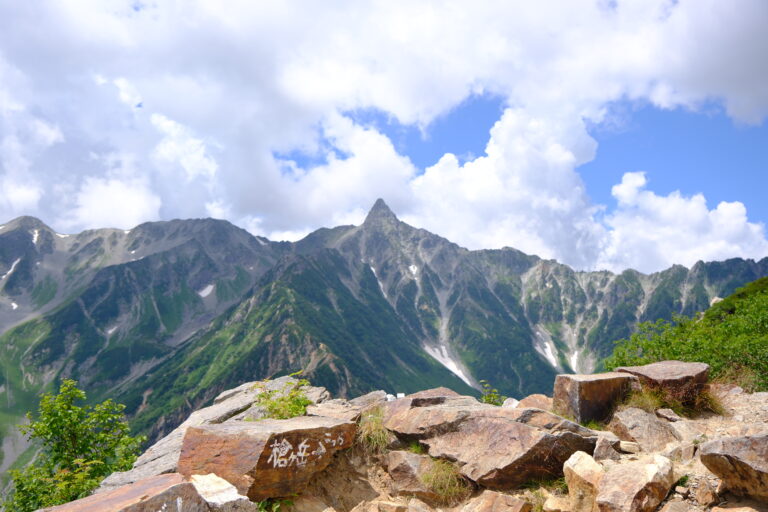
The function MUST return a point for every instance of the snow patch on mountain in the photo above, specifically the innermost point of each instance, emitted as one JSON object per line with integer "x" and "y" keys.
{"x": 35, "y": 236}
{"x": 10, "y": 271}
{"x": 205, "y": 291}
{"x": 442, "y": 355}
{"x": 413, "y": 269}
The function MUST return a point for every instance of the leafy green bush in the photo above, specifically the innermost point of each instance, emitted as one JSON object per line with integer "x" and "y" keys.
{"x": 80, "y": 446}
{"x": 732, "y": 337}
{"x": 287, "y": 402}
{"x": 490, "y": 395}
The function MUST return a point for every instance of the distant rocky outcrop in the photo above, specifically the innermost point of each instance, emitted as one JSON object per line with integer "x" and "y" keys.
{"x": 227, "y": 457}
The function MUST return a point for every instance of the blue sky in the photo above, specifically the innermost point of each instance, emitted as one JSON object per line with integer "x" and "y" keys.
{"x": 625, "y": 134}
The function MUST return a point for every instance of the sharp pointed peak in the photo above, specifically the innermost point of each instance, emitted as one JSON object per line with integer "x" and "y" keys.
{"x": 380, "y": 211}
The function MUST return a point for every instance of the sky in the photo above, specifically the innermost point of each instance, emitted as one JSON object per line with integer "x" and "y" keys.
{"x": 604, "y": 134}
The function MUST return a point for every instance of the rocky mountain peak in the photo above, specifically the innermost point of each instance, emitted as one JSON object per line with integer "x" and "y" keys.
{"x": 380, "y": 214}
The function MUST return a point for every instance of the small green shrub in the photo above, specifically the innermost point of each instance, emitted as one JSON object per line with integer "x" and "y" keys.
{"x": 274, "y": 504}
{"x": 593, "y": 425}
{"x": 417, "y": 447}
{"x": 552, "y": 485}
{"x": 372, "y": 436}
{"x": 443, "y": 478}
{"x": 682, "y": 481}
{"x": 287, "y": 402}
{"x": 650, "y": 400}
{"x": 490, "y": 395}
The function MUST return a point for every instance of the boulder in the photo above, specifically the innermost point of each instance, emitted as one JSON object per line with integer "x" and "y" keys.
{"x": 607, "y": 447}
{"x": 422, "y": 417}
{"x": 590, "y": 397}
{"x": 407, "y": 470}
{"x": 644, "y": 428}
{"x": 583, "y": 476}
{"x": 309, "y": 504}
{"x": 490, "y": 501}
{"x": 668, "y": 414}
{"x": 636, "y": 486}
{"x": 680, "y": 380}
{"x": 706, "y": 495}
{"x": 161, "y": 492}
{"x": 338, "y": 408}
{"x": 555, "y": 503}
{"x": 740, "y": 462}
{"x": 677, "y": 506}
{"x": 537, "y": 401}
{"x": 220, "y": 495}
{"x": 163, "y": 456}
{"x": 265, "y": 459}
{"x": 500, "y": 453}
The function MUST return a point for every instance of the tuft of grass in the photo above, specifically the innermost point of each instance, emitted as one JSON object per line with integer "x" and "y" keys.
{"x": 651, "y": 400}
{"x": 537, "y": 498}
{"x": 683, "y": 481}
{"x": 371, "y": 433}
{"x": 288, "y": 402}
{"x": 443, "y": 478}
{"x": 593, "y": 425}
{"x": 274, "y": 504}
{"x": 742, "y": 376}
{"x": 416, "y": 447}
{"x": 553, "y": 485}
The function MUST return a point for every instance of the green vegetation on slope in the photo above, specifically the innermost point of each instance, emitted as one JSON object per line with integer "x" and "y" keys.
{"x": 732, "y": 337}
{"x": 80, "y": 446}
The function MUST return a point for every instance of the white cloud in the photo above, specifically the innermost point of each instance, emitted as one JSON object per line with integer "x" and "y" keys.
{"x": 114, "y": 202}
{"x": 649, "y": 231}
{"x": 224, "y": 88}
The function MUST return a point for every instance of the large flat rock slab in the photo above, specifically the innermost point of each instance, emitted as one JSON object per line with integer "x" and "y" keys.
{"x": 265, "y": 459}
{"x": 161, "y": 492}
{"x": 590, "y": 397}
{"x": 163, "y": 456}
{"x": 635, "y": 486}
{"x": 643, "y": 428}
{"x": 500, "y": 453}
{"x": 741, "y": 462}
{"x": 679, "y": 379}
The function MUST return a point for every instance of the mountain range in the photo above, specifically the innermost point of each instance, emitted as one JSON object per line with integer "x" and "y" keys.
{"x": 166, "y": 315}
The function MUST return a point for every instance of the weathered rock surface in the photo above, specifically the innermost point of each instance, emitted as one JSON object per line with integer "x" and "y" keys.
{"x": 644, "y": 428}
{"x": 501, "y": 453}
{"x": 537, "y": 401}
{"x": 589, "y": 397}
{"x": 163, "y": 456}
{"x": 490, "y": 501}
{"x": 220, "y": 495}
{"x": 607, "y": 446}
{"x": 636, "y": 486}
{"x": 556, "y": 503}
{"x": 510, "y": 402}
{"x": 161, "y": 492}
{"x": 264, "y": 459}
{"x": 679, "y": 379}
{"x": 741, "y": 462}
{"x": 583, "y": 476}
{"x": 407, "y": 470}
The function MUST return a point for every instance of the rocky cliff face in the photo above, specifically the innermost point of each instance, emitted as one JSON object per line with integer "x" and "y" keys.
{"x": 164, "y": 316}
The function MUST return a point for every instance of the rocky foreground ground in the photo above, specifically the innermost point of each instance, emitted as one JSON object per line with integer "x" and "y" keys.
{"x": 228, "y": 457}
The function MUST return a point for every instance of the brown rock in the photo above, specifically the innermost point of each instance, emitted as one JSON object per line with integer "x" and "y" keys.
{"x": 607, "y": 447}
{"x": 537, "y": 401}
{"x": 162, "y": 492}
{"x": 309, "y": 504}
{"x": 220, "y": 495}
{"x": 629, "y": 447}
{"x": 265, "y": 459}
{"x": 380, "y": 506}
{"x": 500, "y": 453}
{"x": 668, "y": 414}
{"x": 636, "y": 486}
{"x": 406, "y": 470}
{"x": 677, "y": 506}
{"x": 490, "y": 501}
{"x": 705, "y": 494}
{"x": 163, "y": 456}
{"x": 423, "y": 417}
{"x": 434, "y": 392}
{"x": 741, "y": 505}
{"x": 680, "y": 380}
{"x": 338, "y": 408}
{"x": 589, "y": 397}
{"x": 644, "y": 428}
{"x": 556, "y": 503}
{"x": 583, "y": 476}
{"x": 416, "y": 505}
{"x": 741, "y": 462}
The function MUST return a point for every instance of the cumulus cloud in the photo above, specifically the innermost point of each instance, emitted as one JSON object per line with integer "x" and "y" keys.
{"x": 205, "y": 101}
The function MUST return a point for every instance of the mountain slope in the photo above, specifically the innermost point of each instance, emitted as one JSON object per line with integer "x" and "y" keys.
{"x": 166, "y": 315}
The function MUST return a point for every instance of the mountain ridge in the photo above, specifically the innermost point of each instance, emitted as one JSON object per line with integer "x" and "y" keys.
{"x": 163, "y": 309}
